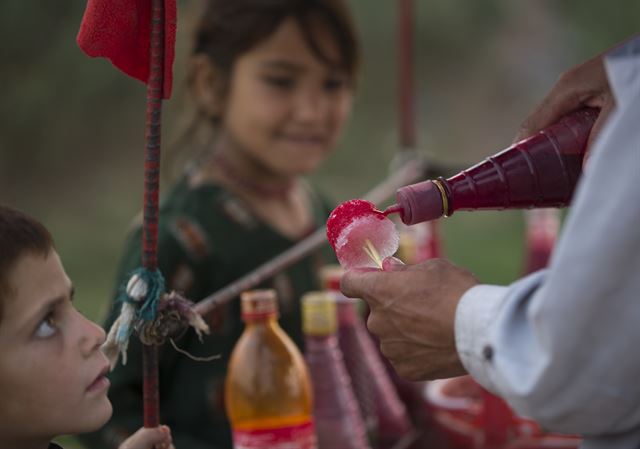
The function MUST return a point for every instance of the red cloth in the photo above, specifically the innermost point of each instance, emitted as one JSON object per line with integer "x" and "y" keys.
{"x": 119, "y": 30}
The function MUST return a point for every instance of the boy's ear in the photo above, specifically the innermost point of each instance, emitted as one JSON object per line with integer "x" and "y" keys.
{"x": 208, "y": 87}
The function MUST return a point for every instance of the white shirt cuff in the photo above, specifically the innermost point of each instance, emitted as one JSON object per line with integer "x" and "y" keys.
{"x": 476, "y": 310}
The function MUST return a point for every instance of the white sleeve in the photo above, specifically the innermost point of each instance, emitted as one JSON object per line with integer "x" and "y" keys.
{"x": 562, "y": 346}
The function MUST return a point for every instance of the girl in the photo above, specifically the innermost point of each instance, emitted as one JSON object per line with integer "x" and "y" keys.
{"x": 52, "y": 372}
{"x": 273, "y": 81}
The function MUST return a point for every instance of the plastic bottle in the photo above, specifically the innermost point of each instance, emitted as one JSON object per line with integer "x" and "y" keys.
{"x": 338, "y": 421}
{"x": 541, "y": 231}
{"x": 268, "y": 394}
{"x": 373, "y": 385}
{"x": 419, "y": 242}
{"x": 541, "y": 171}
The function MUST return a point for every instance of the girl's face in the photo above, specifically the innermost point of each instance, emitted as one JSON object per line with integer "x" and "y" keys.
{"x": 285, "y": 108}
{"x": 51, "y": 367}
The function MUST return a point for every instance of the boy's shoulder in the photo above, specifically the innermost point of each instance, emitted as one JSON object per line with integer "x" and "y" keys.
{"x": 54, "y": 446}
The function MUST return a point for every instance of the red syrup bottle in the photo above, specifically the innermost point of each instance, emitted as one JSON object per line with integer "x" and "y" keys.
{"x": 541, "y": 231}
{"x": 541, "y": 171}
{"x": 337, "y": 416}
{"x": 373, "y": 386}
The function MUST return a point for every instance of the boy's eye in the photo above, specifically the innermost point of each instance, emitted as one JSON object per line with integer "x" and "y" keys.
{"x": 47, "y": 327}
{"x": 282, "y": 82}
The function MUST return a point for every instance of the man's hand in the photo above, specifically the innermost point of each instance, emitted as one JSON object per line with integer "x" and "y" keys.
{"x": 413, "y": 314}
{"x": 581, "y": 86}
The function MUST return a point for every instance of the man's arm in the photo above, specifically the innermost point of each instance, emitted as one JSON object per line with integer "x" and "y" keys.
{"x": 562, "y": 349}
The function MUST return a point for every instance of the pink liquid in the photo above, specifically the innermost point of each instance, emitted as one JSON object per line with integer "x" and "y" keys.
{"x": 541, "y": 171}
{"x": 374, "y": 388}
{"x": 337, "y": 417}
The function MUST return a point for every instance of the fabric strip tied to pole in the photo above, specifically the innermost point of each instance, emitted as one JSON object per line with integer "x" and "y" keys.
{"x": 120, "y": 30}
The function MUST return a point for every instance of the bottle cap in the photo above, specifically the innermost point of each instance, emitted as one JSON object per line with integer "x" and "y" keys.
{"x": 420, "y": 202}
{"x": 330, "y": 276}
{"x": 258, "y": 304}
{"x": 318, "y": 314}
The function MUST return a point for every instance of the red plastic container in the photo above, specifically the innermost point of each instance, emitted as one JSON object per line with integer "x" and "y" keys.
{"x": 371, "y": 380}
{"x": 541, "y": 171}
{"x": 337, "y": 416}
{"x": 469, "y": 417}
{"x": 372, "y": 384}
{"x": 541, "y": 231}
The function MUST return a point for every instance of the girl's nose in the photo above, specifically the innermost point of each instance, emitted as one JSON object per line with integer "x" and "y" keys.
{"x": 309, "y": 106}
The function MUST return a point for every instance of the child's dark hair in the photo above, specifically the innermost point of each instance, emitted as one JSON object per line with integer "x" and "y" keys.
{"x": 19, "y": 234}
{"x": 228, "y": 29}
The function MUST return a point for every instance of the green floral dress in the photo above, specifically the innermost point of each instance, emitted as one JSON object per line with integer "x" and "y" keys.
{"x": 207, "y": 239}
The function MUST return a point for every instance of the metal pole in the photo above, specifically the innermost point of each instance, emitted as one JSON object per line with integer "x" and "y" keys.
{"x": 406, "y": 91}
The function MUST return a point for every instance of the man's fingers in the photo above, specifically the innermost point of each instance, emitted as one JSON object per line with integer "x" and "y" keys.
{"x": 357, "y": 284}
{"x": 560, "y": 101}
{"x": 378, "y": 324}
{"x": 584, "y": 85}
{"x": 605, "y": 111}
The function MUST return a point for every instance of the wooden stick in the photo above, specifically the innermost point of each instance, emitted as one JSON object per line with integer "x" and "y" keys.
{"x": 372, "y": 252}
{"x": 151, "y": 395}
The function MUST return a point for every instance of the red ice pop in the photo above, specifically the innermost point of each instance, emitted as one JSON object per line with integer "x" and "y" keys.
{"x": 361, "y": 235}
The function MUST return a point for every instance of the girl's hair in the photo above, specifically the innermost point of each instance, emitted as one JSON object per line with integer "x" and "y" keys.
{"x": 19, "y": 234}
{"x": 228, "y": 29}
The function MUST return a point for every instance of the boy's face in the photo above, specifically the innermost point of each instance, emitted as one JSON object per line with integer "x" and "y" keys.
{"x": 51, "y": 367}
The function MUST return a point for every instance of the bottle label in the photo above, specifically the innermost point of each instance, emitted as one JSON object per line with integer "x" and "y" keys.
{"x": 301, "y": 436}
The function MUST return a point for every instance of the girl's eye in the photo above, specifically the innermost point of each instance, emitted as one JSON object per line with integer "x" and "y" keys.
{"x": 280, "y": 82}
{"x": 333, "y": 84}
{"x": 47, "y": 327}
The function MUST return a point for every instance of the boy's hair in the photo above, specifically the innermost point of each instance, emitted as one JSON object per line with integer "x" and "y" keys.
{"x": 19, "y": 234}
{"x": 227, "y": 29}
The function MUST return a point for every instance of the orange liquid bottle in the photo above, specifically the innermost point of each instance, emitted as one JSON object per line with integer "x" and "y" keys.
{"x": 268, "y": 395}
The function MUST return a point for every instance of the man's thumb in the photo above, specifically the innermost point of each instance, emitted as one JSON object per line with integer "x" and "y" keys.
{"x": 354, "y": 282}
{"x": 393, "y": 264}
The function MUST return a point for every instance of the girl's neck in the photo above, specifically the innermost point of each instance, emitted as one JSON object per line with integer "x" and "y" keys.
{"x": 279, "y": 201}
{"x": 244, "y": 173}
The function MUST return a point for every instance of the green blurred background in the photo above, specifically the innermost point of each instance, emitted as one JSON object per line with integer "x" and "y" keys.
{"x": 71, "y": 128}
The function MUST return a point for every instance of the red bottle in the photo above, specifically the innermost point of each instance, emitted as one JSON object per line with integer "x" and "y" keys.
{"x": 541, "y": 171}
{"x": 373, "y": 386}
{"x": 541, "y": 229}
{"x": 337, "y": 416}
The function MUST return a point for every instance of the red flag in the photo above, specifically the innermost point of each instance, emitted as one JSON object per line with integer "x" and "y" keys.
{"x": 119, "y": 30}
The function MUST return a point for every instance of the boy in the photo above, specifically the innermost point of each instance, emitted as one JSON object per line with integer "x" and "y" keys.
{"x": 52, "y": 372}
